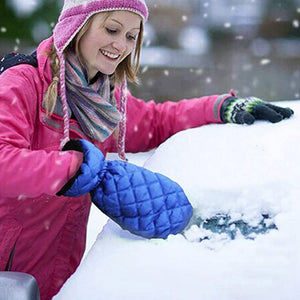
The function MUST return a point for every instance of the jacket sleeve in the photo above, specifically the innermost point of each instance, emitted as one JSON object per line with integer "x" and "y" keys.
{"x": 149, "y": 123}
{"x": 24, "y": 171}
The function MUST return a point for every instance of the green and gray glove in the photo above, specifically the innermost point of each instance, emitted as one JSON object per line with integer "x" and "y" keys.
{"x": 247, "y": 110}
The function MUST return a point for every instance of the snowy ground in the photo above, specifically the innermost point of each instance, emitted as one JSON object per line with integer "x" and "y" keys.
{"x": 243, "y": 241}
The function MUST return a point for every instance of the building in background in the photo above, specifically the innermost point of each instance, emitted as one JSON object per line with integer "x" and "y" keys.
{"x": 205, "y": 47}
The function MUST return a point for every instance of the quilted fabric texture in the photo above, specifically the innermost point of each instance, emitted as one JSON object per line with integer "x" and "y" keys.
{"x": 87, "y": 177}
{"x": 145, "y": 203}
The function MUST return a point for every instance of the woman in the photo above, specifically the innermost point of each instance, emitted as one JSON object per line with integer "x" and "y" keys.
{"x": 79, "y": 91}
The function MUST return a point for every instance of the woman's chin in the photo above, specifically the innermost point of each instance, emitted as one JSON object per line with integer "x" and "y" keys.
{"x": 107, "y": 71}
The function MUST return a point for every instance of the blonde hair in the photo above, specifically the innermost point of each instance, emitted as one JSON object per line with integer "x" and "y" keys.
{"x": 129, "y": 66}
{"x": 52, "y": 91}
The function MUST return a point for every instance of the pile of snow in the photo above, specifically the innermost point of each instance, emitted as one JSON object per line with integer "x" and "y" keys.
{"x": 243, "y": 240}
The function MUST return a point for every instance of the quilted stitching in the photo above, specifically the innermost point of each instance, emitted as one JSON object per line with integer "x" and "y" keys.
{"x": 145, "y": 203}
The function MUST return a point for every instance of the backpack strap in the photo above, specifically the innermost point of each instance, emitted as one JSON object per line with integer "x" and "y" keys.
{"x": 14, "y": 59}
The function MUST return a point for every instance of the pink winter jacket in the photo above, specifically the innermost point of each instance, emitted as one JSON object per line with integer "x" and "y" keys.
{"x": 48, "y": 233}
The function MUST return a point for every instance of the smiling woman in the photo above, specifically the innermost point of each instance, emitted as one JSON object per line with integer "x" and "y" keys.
{"x": 68, "y": 99}
{"x": 109, "y": 39}
{"x": 70, "y": 107}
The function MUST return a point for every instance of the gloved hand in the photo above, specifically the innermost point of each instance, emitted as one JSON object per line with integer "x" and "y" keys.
{"x": 247, "y": 110}
{"x": 87, "y": 177}
{"x": 145, "y": 203}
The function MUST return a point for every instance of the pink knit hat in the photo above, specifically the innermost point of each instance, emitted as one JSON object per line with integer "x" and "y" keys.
{"x": 74, "y": 15}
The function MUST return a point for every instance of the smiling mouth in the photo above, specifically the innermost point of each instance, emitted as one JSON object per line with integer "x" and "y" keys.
{"x": 110, "y": 55}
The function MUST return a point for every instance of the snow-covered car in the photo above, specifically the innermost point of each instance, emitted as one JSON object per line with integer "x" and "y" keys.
{"x": 242, "y": 241}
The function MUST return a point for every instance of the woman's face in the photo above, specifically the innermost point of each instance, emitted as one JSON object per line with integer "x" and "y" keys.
{"x": 106, "y": 43}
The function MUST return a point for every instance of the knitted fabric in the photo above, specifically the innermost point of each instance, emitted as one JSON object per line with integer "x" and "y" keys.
{"x": 237, "y": 105}
{"x": 74, "y": 15}
{"x": 90, "y": 103}
{"x": 122, "y": 127}
{"x": 247, "y": 110}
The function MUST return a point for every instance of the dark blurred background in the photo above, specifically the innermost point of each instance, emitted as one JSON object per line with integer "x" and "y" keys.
{"x": 192, "y": 48}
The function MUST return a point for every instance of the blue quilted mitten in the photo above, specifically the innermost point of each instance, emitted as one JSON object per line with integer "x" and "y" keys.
{"x": 145, "y": 203}
{"x": 87, "y": 177}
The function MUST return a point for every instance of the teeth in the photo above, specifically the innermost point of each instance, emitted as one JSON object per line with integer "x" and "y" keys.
{"x": 110, "y": 55}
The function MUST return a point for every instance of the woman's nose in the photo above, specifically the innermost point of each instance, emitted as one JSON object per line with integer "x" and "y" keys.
{"x": 120, "y": 44}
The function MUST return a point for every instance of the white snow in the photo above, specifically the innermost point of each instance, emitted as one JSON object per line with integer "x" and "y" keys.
{"x": 243, "y": 175}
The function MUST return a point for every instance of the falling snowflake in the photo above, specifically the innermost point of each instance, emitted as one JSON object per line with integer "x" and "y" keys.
{"x": 166, "y": 72}
{"x": 147, "y": 44}
{"x": 58, "y": 162}
{"x": 23, "y": 153}
{"x": 184, "y": 18}
{"x": 255, "y": 82}
{"x": 205, "y": 15}
{"x": 296, "y": 23}
{"x": 206, "y": 4}
{"x": 3, "y": 29}
{"x": 28, "y": 210}
{"x": 208, "y": 80}
{"x": 145, "y": 69}
{"x": 227, "y": 25}
{"x": 265, "y": 61}
{"x": 21, "y": 197}
{"x": 199, "y": 72}
{"x": 247, "y": 67}
{"x": 239, "y": 37}
{"x": 47, "y": 224}
{"x": 150, "y": 83}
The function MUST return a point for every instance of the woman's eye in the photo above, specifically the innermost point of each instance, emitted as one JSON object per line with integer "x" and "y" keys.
{"x": 131, "y": 37}
{"x": 111, "y": 31}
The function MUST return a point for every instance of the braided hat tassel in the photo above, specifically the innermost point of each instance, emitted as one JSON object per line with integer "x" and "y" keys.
{"x": 66, "y": 136}
{"x": 122, "y": 126}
